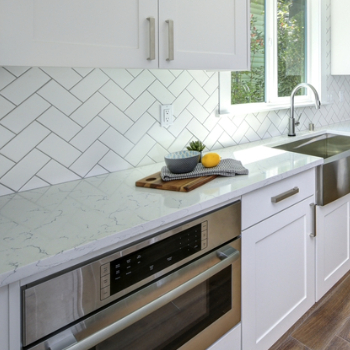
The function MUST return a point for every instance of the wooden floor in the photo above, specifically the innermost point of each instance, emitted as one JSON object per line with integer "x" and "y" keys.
{"x": 326, "y": 326}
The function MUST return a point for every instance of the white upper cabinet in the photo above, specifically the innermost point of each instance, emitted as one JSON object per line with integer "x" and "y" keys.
{"x": 171, "y": 34}
{"x": 76, "y": 33}
{"x": 340, "y": 51}
{"x": 210, "y": 34}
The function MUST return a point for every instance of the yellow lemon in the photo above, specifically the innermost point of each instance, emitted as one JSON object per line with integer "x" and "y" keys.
{"x": 210, "y": 160}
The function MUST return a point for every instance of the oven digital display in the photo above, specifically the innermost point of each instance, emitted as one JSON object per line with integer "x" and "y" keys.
{"x": 145, "y": 262}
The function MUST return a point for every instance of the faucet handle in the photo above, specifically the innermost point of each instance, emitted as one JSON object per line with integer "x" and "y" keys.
{"x": 298, "y": 121}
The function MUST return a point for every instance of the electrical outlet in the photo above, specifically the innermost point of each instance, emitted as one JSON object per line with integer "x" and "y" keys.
{"x": 166, "y": 115}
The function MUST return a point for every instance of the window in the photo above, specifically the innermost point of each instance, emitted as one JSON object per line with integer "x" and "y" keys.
{"x": 285, "y": 50}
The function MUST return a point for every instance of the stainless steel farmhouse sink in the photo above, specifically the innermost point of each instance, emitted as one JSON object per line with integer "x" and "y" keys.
{"x": 332, "y": 177}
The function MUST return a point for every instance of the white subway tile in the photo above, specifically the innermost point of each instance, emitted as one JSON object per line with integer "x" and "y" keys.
{"x": 197, "y": 129}
{"x": 88, "y": 135}
{"x": 140, "y": 84}
{"x": 25, "y": 113}
{"x": 55, "y": 173}
{"x": 5, "y": 136}
{"x": 180, "y": 123}
{"x": 140, "y": 106}
{"x": 26, "y": 85}
{"x": 59, "y": 123}
{"x": 24, "y": 170}
{"x": 116, "y": 95}
{"x": 163, "y": 75}
{"x": 120, "y": 76}
{"x": 181, "y": 141}
{"x": 197, "y": 110}
{"x": 5, "y": 78}
{"x": 34, "y": 183}
{"x": 25, "y": 141}
{"x": 199, "y": 76}
{"x": 5, "y": 107}
{"x": 89, "y": 109}
{"x": 4, "y": 191}
{"x": 197, "y": 92}
{"x": 161, "y": 135}
{"x": 157, "y": 153}
{"x": 67, "y": 77}
{"x": 180, "y": 84}
{"x": 17, "y": 71}
{"x": 161, "y": 93}
{"x": 112, "y": 162}
{"x": 89, "y": 85}
{"x": 5, "y": 165}
{"x": 116, "y": 142}
{"x": 59, "y": 97}
{"x": 135, "y": 133}
{"x": 181, "y": 102}
{"x": 89, "y": 159}
{"x": 59, "y": 150}
{"x": 140, "y": 150}
{"x": 96, "y": 170}
{"x": 116, "y": 118}
{"x": 83, "y": 71}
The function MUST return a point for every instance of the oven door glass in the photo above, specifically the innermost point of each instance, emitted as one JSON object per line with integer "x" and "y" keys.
{"x": 180, "y": 320}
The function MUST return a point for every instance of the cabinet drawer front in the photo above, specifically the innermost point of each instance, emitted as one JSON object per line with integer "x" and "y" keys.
{"x": 269, "y": 200}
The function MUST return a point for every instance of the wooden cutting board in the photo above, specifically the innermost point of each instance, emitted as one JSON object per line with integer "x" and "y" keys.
{"x": 184, "y": 185}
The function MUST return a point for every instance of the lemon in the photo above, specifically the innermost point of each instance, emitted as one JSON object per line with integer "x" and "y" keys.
{"x": 210, "y": 160}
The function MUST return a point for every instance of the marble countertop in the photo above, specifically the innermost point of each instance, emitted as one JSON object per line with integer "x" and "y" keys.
{"x": 55, "y": 227}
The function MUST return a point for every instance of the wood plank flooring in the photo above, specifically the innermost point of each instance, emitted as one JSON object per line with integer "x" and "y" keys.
{"x": 326, "y": 326}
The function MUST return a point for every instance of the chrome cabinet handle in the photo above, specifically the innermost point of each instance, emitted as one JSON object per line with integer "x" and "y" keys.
{"x": 227, "y": 255}
{"x": 285, "y": 195}
{"x": 170, "y": 39}
{"x": 152, "y": 39}
{"x": 313, "y": 207}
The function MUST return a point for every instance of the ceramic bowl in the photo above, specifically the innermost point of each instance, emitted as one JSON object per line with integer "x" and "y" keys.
{"x": 182, "y": 161}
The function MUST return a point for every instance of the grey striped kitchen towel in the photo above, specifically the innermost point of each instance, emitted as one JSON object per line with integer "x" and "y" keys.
{"x": 226, "y": 167}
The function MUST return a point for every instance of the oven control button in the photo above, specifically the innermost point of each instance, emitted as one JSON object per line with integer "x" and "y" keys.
{"x": 204, "y": 225}
{"x": 105, "y": 293}
{"x": 105, "y": 281}
{"x": 204, "y": 243}
{"x": 204, "y": 235}
{"x": 105, "y": 269}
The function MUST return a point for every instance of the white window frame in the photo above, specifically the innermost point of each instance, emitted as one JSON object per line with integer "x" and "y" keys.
{"x": 316, "y": 69}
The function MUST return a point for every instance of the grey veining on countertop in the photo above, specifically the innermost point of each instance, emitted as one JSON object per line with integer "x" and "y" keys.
{"x": 51, "y": 226}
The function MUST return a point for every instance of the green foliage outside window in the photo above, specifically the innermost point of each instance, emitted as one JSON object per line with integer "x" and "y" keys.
{"x": 249, "y": 87}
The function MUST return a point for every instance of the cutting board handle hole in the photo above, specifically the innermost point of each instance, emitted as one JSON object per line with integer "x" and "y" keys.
{"x": 151, "y": 179}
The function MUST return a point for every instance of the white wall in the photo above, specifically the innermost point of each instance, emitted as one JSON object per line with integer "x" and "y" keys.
{"x": 62, "y": 124}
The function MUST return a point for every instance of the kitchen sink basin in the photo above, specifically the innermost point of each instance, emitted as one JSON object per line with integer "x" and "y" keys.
{"x": 324, "y": 146}
{"x": 333, "y": 176}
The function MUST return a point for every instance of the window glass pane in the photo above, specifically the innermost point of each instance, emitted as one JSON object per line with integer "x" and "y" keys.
{"x": 291, "y": 45}
{"x": 249, "y": 87}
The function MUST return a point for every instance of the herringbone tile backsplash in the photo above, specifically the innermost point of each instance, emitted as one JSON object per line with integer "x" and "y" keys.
{"x": 62, "y": 124}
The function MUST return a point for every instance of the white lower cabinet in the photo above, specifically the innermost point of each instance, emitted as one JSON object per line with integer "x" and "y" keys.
{"x": 332, "y": 243}
{"x": 230, "y": 341}
{"x": 278, "y": 274}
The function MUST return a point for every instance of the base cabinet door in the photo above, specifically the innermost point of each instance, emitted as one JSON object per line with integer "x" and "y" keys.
{"x": 278, "y": 284}
{"x": 332, "y": 244}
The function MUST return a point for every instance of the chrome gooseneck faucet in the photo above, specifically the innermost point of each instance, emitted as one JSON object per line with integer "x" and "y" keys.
{"x": 292, "y": 122}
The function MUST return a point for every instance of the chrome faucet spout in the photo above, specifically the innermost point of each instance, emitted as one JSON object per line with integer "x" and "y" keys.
{"x": 291, "y": 131}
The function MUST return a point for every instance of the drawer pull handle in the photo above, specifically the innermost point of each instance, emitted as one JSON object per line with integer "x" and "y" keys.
{"x": 313, "y": 208}
{"x": 170, "y": 39}
{"x": 285, "y": 195}
{"x": 152, "y": 39}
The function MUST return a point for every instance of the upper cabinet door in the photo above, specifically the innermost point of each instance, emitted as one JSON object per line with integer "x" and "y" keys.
{"x": 78, "y": 33}
{"x": 340, "y": 51}
{"x": 210, "y": 34}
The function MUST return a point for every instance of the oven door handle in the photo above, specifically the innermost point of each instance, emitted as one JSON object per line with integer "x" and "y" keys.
{"x": 227, "y": 255}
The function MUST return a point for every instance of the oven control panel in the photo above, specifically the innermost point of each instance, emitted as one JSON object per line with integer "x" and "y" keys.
{"x": 134, "y": 267}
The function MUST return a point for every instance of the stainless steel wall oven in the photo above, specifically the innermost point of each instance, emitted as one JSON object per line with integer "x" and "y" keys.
{"x": 178, "y": 289}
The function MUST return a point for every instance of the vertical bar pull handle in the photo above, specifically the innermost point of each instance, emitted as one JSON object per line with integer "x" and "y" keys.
{"x": 152, "y": 39}
{"x": 313, "y": 208}
{"x": 170, "y": 39}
